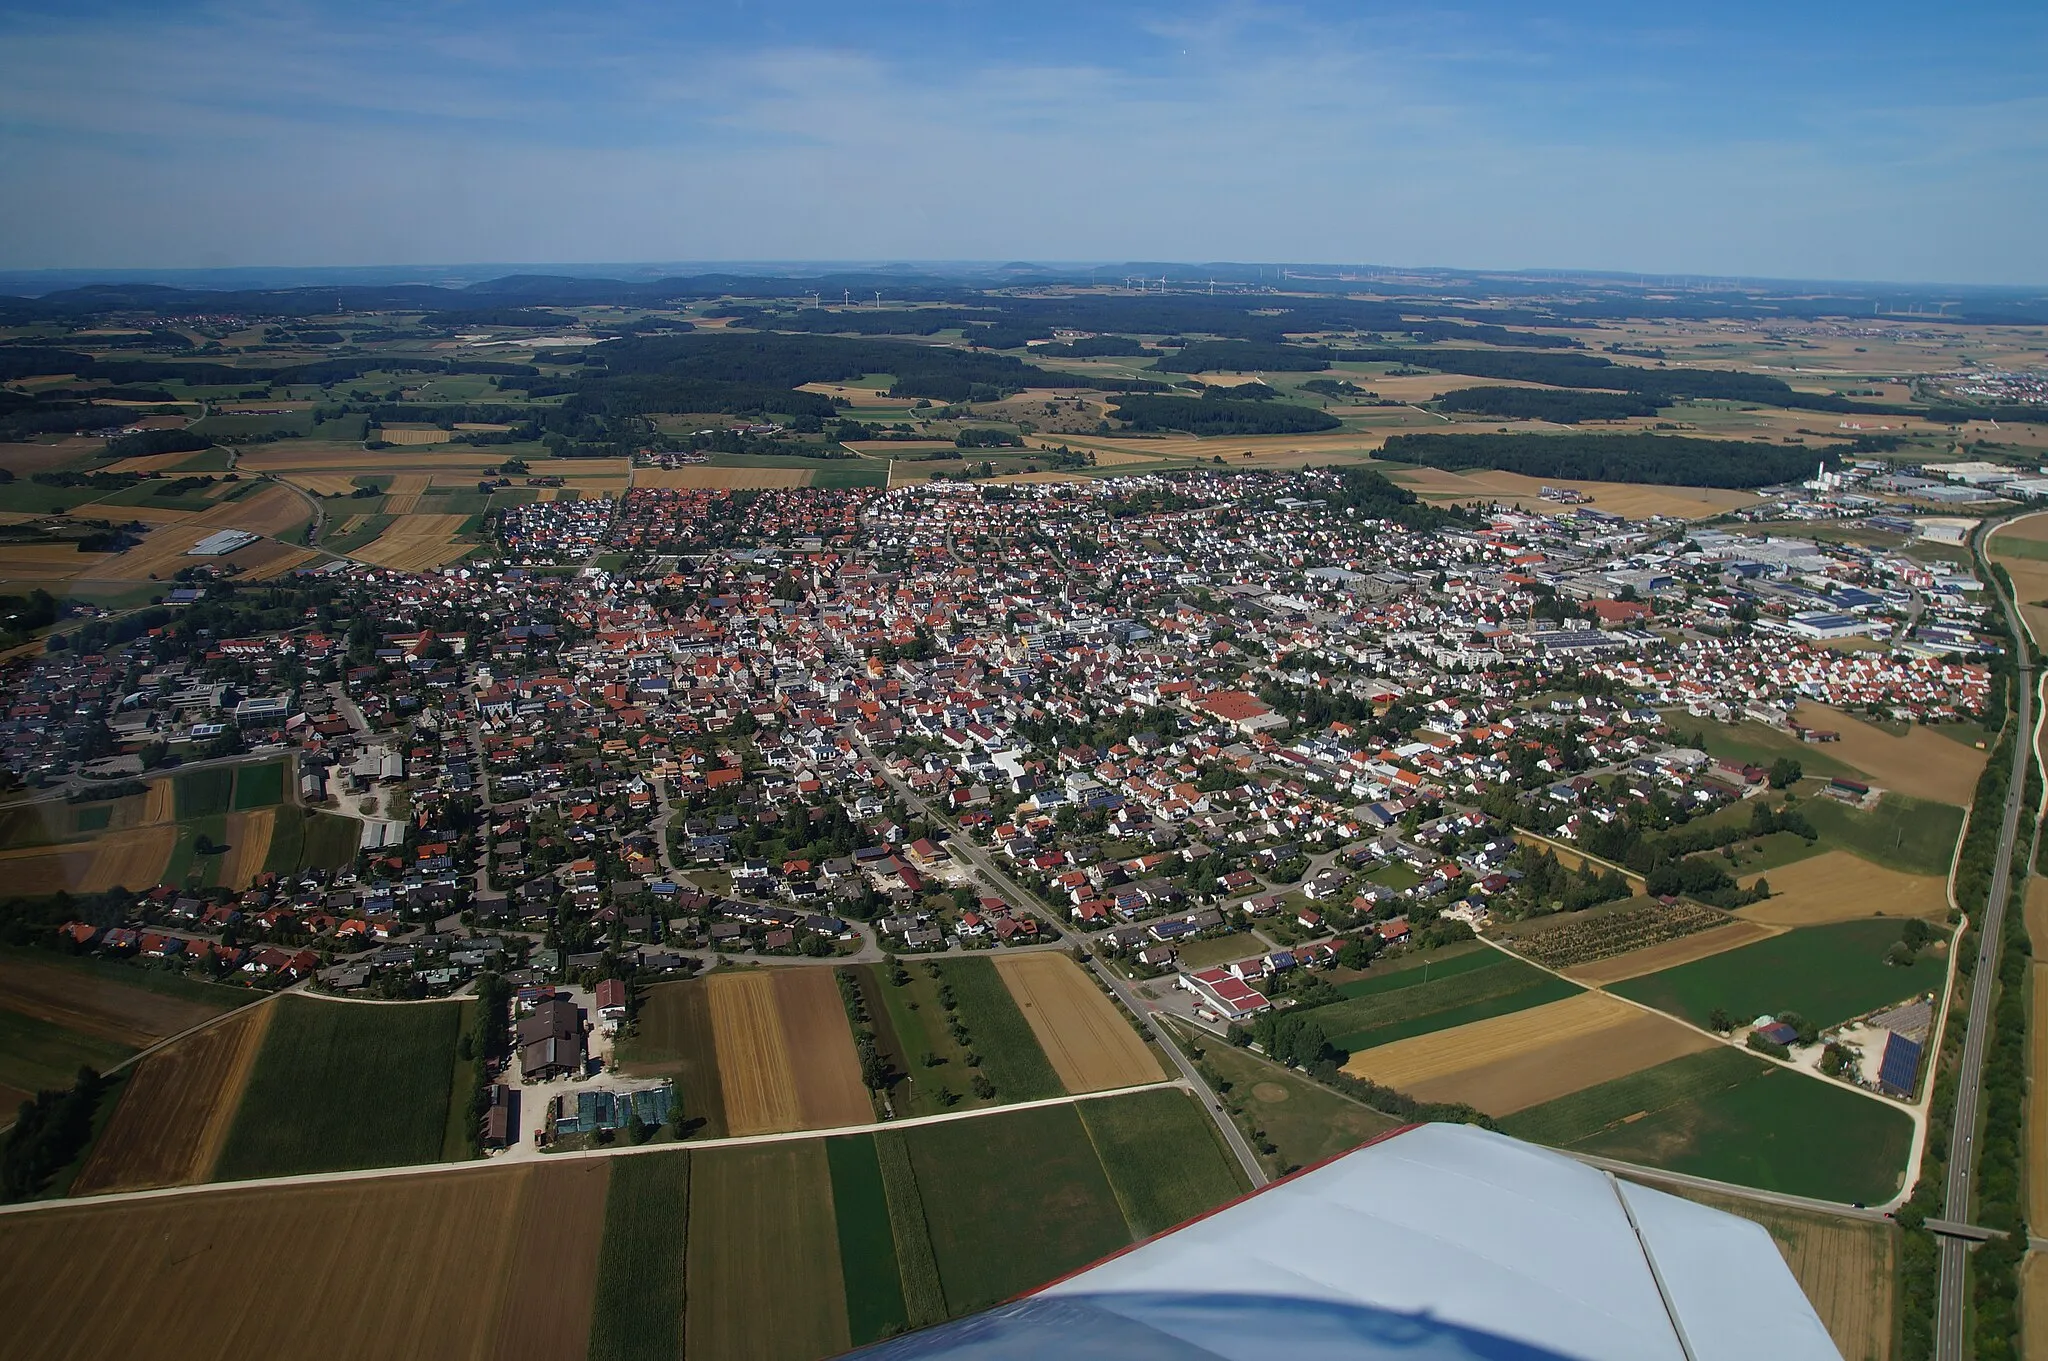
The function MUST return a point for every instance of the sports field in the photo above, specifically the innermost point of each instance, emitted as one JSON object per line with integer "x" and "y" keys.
{"x": 340, "y": 1085}
{"x": 1837, "y": 886}
{"x": 1508, "y": 1063}
{"x": 174, "y": 1113}
{"x": 1087, "y": 1040}
{"x": 1730, "y": 1116}
{"x": 1399, "y": 1006}
{"x": 1922, "y": 764}
{"x": 1827, "y": 974}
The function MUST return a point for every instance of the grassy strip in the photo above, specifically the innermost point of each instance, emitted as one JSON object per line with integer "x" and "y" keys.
{"x": 1382, "y": 980}
{"x": 1162, "y": 1158}
{"x": 1536, "y": 992}
{"x": 1581, "y": 1115}
{"x": 342, "y": 1085}
{"x": 259, "y": 786}
{"x": 1440, "y": 993}
{"x": 867, "y": 1246}
{"x": 458, "y": 1136}
{"x": 1010, "y": 1054}
{"x": 924, "y": 1299}
{"x": 637, "y": 1314}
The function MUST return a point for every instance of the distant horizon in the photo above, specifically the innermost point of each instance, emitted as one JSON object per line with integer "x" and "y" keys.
{"x": 1737, "y": 141}
{"x": 987, "y": 272}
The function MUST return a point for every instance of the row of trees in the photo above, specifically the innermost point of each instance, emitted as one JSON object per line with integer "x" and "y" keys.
{"x": 1666, "y": 460}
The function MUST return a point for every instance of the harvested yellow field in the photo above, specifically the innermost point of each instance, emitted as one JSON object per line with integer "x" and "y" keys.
{"x": 2029, "y": 582}
{"x": 1922, "y": 763}
{"x": 262, "y": 561}
{"x": 2034, "y": 1306}
{"x": 416, "y": 543}
{"x": 754, "y": 1071}
{"x": 45, "y": 563}
{"x": 131, "y": 859}
{"x": 296, "y": 456}
{"x": 1085, "y": 1037}
{"x": 402, "y": 497}
{"x": 1618, "y": 498}
{"x": 323, "y": 484}
{"x": 1670, "y": 954}
{"x": 1506, "y": 1063}
{"x": 248, "y": 838}
{"x": 148, "y": 463}
{"x": 158, "y": 803}
{"x": 1836, "y": 886}
{"x": 414, "y": 434}
{"x": 736, "y": 479}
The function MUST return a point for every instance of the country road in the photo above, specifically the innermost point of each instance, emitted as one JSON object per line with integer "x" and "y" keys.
{"x": 1952, "y": 1301}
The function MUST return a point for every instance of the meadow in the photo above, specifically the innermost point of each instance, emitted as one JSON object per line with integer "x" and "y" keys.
{"x": 1010, "y": 1053}
{"x": 1913, "y": 836}
{"x": 1826, "y": 973}
{"x": 341, "y": 1085}
{"x": 1471, "y": 992}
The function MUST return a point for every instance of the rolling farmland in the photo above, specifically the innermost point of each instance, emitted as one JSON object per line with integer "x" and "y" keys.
{"x": 1827, "y": 974}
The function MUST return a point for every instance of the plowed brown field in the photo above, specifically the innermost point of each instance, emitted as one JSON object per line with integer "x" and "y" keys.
{"x": 423, "y": 1263}
{"x": 822, "y": 1057}
{"x": 93, "y": 1005}
{"x": 248, "y": 838}
{"x": 175, "y": 1113}
{"x": 1836, "y": 886}
{"x": 1670, "y": 953}
{"x": 1505, "y": 1063}
{"x": 754, "y": 1072}
{"x": 1086, "y": 1038}
{"x": 552, "y": 1277}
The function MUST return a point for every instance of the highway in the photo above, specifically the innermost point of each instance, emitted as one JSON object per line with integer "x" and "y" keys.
{"x": 961, "y": 845}
{"x": 1952, "y": 1299}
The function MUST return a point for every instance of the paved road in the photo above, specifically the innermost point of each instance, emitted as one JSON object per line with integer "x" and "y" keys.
{"x": 1952, "y": 1301}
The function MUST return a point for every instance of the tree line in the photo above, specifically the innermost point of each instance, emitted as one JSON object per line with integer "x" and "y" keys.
{"x": 1662, "y": 460}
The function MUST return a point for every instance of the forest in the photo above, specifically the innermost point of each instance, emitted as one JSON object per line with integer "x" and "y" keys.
{"x": 1242, "y": 356}
{"x": 1662, "y": 460}
{"x": 1208, "y": 415}
{"x": 1547, "y": 404}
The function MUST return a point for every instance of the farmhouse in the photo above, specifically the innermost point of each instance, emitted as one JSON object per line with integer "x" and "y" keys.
{"x": 551, "y": 1040}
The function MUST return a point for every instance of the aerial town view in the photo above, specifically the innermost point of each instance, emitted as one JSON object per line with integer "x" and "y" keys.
{"x": 776, "y": 808}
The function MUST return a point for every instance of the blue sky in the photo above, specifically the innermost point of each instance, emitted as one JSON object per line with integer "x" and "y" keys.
{"x": 1874, "y": 141}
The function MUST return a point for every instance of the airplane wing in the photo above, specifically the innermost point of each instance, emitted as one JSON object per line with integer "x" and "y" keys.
{"x": 1436, "y": 1243}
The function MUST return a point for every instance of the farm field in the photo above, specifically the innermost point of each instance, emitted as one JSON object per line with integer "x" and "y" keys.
{"x": 1508, "y": 1063}
{"x": 256, "y": 1272}
{"x": 1922, "y": 764}
{"x": 248, "y": 848}
{"x": 175, "y": 1110}
{"x": 548, "y": 1284}
{"x": 706, "y": 476}
{"x": 1010, "y": 1054}
{"x": 1305, "y": 1121}
{"x": 1495, "y": 988}
{"x": 1912, "y": 836}
{"x": 763, "y": 1263}
{"x": 909, "y": 1021}
{"x": 1633, "y": 924}
{"x": 640, "y": 1286}
{"x": 754, "y": 1051}
{"x": 1086, "y": 1039}
{"x": 1669, "y": 954}
{"x": 98, "y": 1002}
{"x": 36, "y": 1055}
{"x": 416, "y": 543}
{"x": 1845, "y": 1266}
{"x": 1025, "y": 1230}
{"x": 1728, "y": 1115}
{"x": 1163, "y": 1156}
{"x": 1759, "y": 745}
{"x": 1837, "y": 886}
{"x": 1827, "y": 974}
{"x": 1615, "y": 498}
{"x": 341, "y": 1085}
{"x": 131, "y": 858}
{"x": 867, "y": 1242}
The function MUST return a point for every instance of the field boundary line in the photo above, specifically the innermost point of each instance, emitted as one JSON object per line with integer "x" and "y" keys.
{"x": 548, "y": 1159}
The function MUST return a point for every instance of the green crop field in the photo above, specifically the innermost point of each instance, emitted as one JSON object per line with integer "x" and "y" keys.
{"x": 202, "y": 793}
{"x": 913, "y": 1016}
{"x": 862, "y": 475}
{"x": 38, "y": 1055}
{"x": 1733, "y": 1117}
{"x": 260, "y": 786}
{"x": 1304, "y": 1121}
{"x": 1403, "y": 1008}
{"x": 1410, "y": 971}
{"x": 1010, "y": 1053}
{"x": 637, "y": 1311}
{"x": 867, "y": 1245}
{"x": 764, "y": 1276}
{"x": 370, "y": 528}
{"x": 1827, "y": 974}
{"x": 341, "y": 1085}
{"x": 1916, "y": 836}
{"x": 1165, "y": 1159}
{"x": 331, "y": 841}
{"x": 163, "y": 978}
{"x": 924, "y": 1298}
{"x": 1759, "y": 745}
{"x": 1013, "y": 1199}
